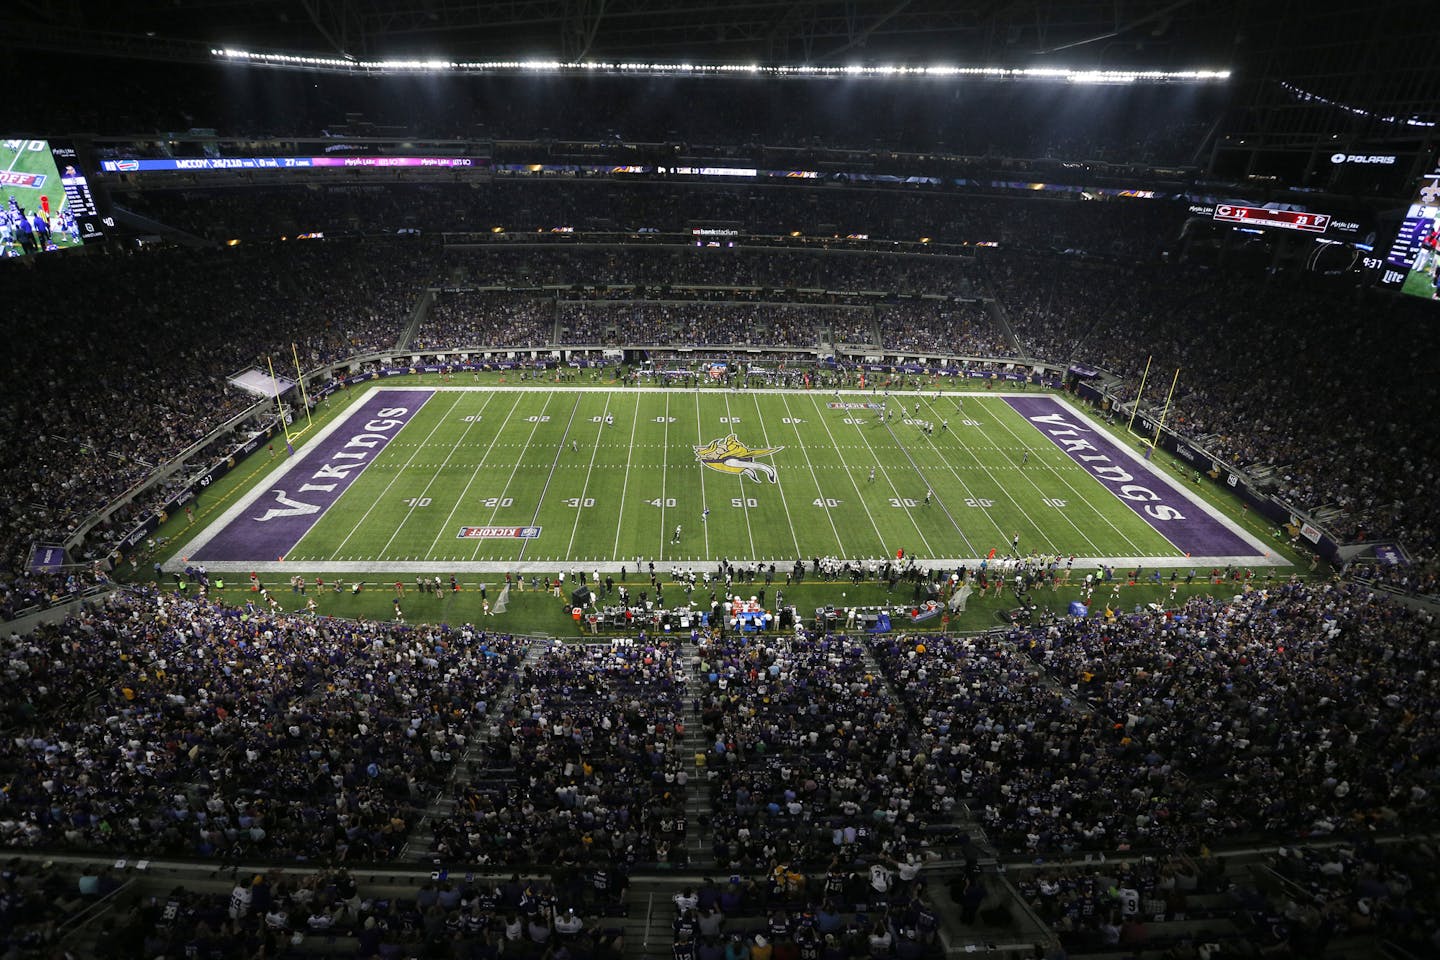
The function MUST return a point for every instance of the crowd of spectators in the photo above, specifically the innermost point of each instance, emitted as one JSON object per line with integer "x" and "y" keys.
{"x": 810, "y": 760}
{"x": 328, "y": 912}
{"x": 101, "y": 416}
{"x": 701, "y": 323}
{"x": 941, "y": 328}
{"x": 1296, "y": 711}
{"x": 224, "y": 732}
{"x": 490, "y": 319}
{"x": 585, "y": 766}
{"x": 526, "y": 211}
{"x": 1285, "y": 396}
{"x": 767, "y": 269}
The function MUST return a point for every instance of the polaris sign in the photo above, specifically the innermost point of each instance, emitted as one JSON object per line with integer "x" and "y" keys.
{"x": 1358, "y": 158}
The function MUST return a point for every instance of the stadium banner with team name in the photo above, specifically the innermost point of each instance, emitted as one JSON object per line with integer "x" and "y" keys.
{"x": 46, "y": 558}
{"x": 269, "y": 523}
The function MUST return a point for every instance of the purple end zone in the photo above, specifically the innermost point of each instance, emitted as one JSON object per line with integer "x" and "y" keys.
{"x": 1176, "y": 517}
{"x": 291, "y": 503}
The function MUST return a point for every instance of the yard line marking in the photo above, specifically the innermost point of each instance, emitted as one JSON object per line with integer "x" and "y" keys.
{"x": 398, "y": 474}
{"x": 1005, "y": 408}
{"x": 625, "y": 483}
{"x": 940, "y": 503}
{"x": 765, "y": 433}
{"x": 913, "y": 522}
{"x": 744, "y": 500}
{"x": 559, "y": 452}
{"x": 594, "y": 449}
{"x": 879, "y": 537}
{"x": 704, "y": 504}
{"x": 410, "y": 511}
{"x": 478, "y": 467}
{"x": 963, "y": 485}
{"x": 511, "y": 479}
{"x": 1023, "y": 512}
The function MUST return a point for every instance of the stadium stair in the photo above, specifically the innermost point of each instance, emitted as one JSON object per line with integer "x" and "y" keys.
{"x": 469, "y": 769}
{"x": 694, "y": 752}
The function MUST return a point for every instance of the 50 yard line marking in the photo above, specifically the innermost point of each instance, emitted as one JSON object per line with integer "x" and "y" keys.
{"x": 664, "y": 471}
{"x": 478, "y": 467}
{"x": 398, "y": 474}
{"x": 625, "y": 483}
{"x": 744, "y": 500}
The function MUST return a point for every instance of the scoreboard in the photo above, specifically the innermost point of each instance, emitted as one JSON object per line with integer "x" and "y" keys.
{"x": 78, "y": 196}
{"x": 1411, "y": 262}
{"x": 1265, "y": 217}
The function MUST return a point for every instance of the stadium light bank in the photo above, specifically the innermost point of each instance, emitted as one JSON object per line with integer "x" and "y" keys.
{"x": 657, "y": 69}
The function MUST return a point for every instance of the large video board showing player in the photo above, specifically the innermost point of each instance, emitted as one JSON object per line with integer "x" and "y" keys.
{"x": 45, "y": 200}
{"x": 1411, "y": 263}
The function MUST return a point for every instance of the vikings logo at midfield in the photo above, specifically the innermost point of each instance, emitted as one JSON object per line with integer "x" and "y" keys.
{"x": 733, "y": 457}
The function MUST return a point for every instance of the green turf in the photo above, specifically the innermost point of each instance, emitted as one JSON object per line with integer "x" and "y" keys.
{"x": 613, "y": 492}
{"x": 1419, "y": 284}
{"x": 460, "y": 465}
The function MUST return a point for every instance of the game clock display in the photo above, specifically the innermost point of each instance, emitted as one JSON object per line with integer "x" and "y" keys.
{"x": 48, "y": 204}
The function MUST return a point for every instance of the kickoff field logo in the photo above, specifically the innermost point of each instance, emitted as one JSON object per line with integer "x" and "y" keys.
{"x": 729, "y": 455}
{"x": 498, "y": 533}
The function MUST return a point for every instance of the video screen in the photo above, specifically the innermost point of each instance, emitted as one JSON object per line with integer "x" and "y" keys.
{"x": 1411, "y": 265}
{"x": 45, "y": 200}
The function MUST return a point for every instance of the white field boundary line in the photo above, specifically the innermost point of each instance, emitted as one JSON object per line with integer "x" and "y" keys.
{"x": 271, "y": 479}
{"x": 1264, "y": 555}
{"x": 852, "y": 395}
{"x": 1200, "y": 564}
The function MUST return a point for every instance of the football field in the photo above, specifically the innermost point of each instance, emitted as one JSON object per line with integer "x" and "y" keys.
{"x": 538, "y": 479}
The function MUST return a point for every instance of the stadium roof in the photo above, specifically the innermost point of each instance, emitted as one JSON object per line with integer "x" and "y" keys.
{"x": 1110, "y": 33}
